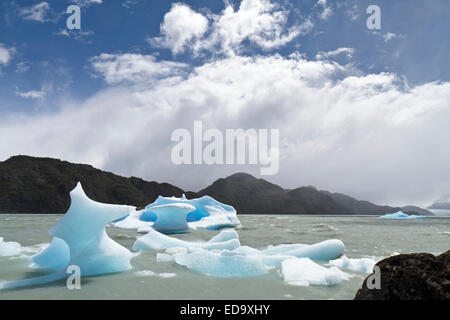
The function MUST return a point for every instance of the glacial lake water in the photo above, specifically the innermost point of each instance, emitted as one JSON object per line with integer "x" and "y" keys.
{"x": 363, "y": 237}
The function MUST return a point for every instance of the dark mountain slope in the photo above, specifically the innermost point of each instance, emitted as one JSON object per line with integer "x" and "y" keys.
{"x": 251, "y": 195}
{"x": 42, "y": 185}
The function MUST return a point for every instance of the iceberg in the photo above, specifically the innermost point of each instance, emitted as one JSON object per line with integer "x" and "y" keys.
{"x": 55, "y": 257}
{"x": 222, "y": 256}
{"x": 82, "y": 229}
{"x": 321, "y": 251}
{"x": 9, "y": 248}
{"x": 400, "y": 215}
{"x": 171, "y": 217}
{"x": 363, "y": 265}
{"x": 223, "y": 264}
{"x": 155, "y": 240}
{"x": 207, "y": 213}
{"x": 305, "y": 272}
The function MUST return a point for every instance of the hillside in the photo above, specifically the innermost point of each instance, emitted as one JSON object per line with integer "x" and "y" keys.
{"x": 251, "y": 195}
{"x": 42, "y": 185}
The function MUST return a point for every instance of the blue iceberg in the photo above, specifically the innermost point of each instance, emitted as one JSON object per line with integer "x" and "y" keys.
{"x": 223, "y": 256}
{"x": 154, "y": 240}
{"x": 55, "y": 257}
{"x": 223, "y": 264}
{"x": 171, "y": 217}
{"x": 400, "y": 215}
{"x": 245, "y": 261}
{"x": 87, "y": 245}
{"x": 171, "y": 214}
{"x": 322, "y": 251}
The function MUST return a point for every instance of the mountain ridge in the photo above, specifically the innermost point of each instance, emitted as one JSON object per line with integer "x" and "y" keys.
{"x": 42, "y": 185}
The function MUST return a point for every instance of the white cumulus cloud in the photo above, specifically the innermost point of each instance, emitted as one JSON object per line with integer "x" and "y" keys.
{"x": 259, "y": 21}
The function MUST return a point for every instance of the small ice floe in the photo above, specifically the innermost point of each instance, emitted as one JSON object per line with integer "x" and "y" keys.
{"x": 305, "y": 272}
{"x": 362, "y": 265}
{"x": 144, "y": 273}
{"x": 167, "y": 275}
{"x": 8, "y": 249}
{"x": 154, "y": 240}
{"x": 149, "y": 273}
{"x": 223, "y": 264}
{"x": 400, "y": 215}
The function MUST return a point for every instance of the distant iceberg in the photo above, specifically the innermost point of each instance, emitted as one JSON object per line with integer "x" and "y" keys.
{"x": 400, "y": 215}
{"x": 172, "y": 214}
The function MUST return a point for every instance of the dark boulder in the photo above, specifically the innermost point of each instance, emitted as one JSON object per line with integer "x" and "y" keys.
{"x": 416, "y": 276}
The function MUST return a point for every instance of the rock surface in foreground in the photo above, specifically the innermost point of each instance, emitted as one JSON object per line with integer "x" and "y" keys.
{"x": 416, "y": 276}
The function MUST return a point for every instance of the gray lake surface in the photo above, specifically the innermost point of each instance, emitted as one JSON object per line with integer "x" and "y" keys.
{"x": 363, "y": 236}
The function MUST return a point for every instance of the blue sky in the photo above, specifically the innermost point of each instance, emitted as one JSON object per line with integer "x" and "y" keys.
{"x": 60, "y": 64}
{"x": 132, "y": 52}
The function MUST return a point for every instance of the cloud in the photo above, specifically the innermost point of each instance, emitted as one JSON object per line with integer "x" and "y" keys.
{"x": 6, "y": 54}
{"x": 87, "y": 3}
{"x": 331, "y": 54}
{"x": 327, "y": 11}
{"x": 62, "y": 32}
{"x": 366, "y": 135}
{"x": 37, "y": 12}
{"x": 133, "y": 68}
{"x": 389, "y": 36}
{"x": 33, "y": 94}
{"x": 22, "y": 67}
{"x": 259, "y": 21}
{"x": 180, "y": 26}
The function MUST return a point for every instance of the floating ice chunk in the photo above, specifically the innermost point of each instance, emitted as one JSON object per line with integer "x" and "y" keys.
{"x": 133, "y": 221}
{"x": 164, "y": 257}
{"x": 400, "y": 215}
{"x": 322, "y": 251}
{"x": 167, "y": 275}
{"x": 305, "y": 272}
{"x": 83, "y": 230}
{"x": 171, "y": 217}
{"x": 155, "y": 240}
{"x": 283, "y": 248}
{"x": 9, "y": 248}
{"x": 208, "y": 212}
{"x": 362, "y": 265}
{"x": 54, "y": 257}
{"x": 223, "y": 264}
{"x": 144, "y": 273}
{"x": 225, "y": 235}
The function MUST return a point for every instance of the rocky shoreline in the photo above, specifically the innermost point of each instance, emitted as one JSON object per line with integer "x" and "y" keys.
{"x": 415, "y": 276}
